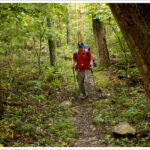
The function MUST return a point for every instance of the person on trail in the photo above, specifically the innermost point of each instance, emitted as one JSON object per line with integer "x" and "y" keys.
{"x": 82, "y": 61}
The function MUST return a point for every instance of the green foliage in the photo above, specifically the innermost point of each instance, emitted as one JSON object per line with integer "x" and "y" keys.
{"x": 32, "y": 114}
{"x": 56, "y": 83}
{"x": 30, "y": 111}
{"x": 102, "y": 79}
{"x": 123, "y": 107}
{"x": 52, "y": 123}
{"x": 99, "y": 11}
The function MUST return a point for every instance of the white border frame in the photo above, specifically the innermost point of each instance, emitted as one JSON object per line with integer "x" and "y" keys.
{"x": 74, "y": 1}
{"x": 76, "y": 148}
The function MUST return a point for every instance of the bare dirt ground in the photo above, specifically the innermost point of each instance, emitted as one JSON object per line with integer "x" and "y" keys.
{"x": 82, "y": 118}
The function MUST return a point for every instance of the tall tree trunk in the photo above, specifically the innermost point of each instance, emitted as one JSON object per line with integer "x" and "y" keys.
{"x": 39, "y": 56}
{"x": 101, "y": 46}
{"x": 60, "y": 30}
{"x": 134, "y": 22}
{"x": 68, "y": 24}
{"x": 122, "y": 47}
{"x": 79, "y": 24}
{"x": 75, "y": 10}
{"x": 51, "y": 44}
{"x": 1, "y": 101}
{"x": 34, "y": 47}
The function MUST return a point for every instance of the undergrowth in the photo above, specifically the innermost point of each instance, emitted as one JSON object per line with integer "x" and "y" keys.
{"x": 125, "y": 104}
{"x": 32, "y": 116}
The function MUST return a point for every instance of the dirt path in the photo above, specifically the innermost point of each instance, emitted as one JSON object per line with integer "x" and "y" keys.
{"x": 82, "y": 118}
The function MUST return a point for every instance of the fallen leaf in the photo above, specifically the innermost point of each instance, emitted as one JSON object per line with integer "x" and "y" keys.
{"x": 64, "y": 143}
{"x": 11, "y": 136}
{"x": 27, "y": 134}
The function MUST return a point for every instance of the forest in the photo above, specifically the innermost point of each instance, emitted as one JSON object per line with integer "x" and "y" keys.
{"x": 40, "y": 104}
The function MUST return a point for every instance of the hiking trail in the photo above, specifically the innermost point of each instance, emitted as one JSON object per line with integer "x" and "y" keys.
{"x": 89, "y": 135}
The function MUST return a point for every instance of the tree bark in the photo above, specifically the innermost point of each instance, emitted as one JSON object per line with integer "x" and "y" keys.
{"x": 79, "y": 24}
{"x": 124, "y": 51}
{"x": 51, "y": 44}
{"x": 60, "y": 29}
{"x": 101, "y": 46}
{"x": 34, "y": 47}
{"x": 39, "y": 55}
{"x": 68, "y": 24}
{"x": 134, "y": 22}
{"x": 1, "y": 101}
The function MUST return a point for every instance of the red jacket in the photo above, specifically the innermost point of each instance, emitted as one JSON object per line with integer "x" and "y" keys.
{"x": 83, "y": 60}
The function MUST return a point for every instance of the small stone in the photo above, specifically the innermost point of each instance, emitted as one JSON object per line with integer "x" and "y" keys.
{"x": 91, "y": 126}
{"x": 91, "y": 100}
{"x": 124, "y": 129}
{"x": 94, "y": 129}
{"x": 108, "y": 94}
{"x": 39, "y": 130}
{"x": 95, "y": 111}
{"x": 74, "y": 110}
{"x": 92, "y": 138}
{"x": 73, "y": 119}
{"x": 107, "y": 101}
{"x": 66, "y": 104}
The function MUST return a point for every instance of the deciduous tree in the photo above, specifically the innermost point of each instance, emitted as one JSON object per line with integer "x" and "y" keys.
{"x": 134, "y": 22}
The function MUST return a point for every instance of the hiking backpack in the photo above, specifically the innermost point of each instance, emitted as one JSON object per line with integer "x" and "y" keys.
{"x": 86, "y": 52}
{"x": 86, "y": 46}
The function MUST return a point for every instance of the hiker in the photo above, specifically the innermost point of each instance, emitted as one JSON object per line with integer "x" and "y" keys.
{"x": 83, "y": 61}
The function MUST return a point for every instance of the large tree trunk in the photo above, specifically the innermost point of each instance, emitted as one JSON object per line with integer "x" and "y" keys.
{"x": 51, "y": 44}
{"x": 79, "y": 24}
{"x": 101, "y": 46}
{"x": 68, "y": 24}
{"x": 134, "y": 22}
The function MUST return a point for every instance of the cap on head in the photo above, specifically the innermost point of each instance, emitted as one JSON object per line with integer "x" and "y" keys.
{"x": 80, "y": 44}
